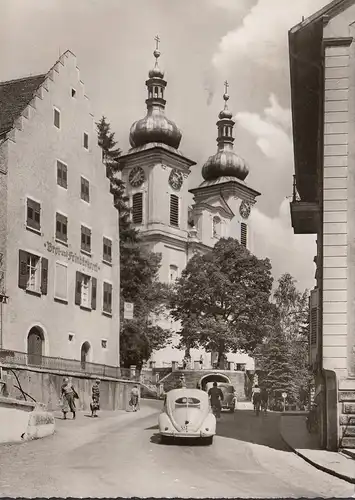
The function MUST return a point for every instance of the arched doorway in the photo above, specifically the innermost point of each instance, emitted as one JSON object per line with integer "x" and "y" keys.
{"x": 213, "y": 377}
{"x": 85, "y": 351}
{"x": 35, "y": 346}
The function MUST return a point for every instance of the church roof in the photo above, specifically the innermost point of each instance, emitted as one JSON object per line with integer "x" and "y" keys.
{"x": 15, "y": 95}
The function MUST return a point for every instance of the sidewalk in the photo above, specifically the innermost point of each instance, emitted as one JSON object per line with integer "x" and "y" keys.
{"x": 294, "y": 432}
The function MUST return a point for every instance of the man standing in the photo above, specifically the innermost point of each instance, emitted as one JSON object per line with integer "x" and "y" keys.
{"x": 216, "y": 397}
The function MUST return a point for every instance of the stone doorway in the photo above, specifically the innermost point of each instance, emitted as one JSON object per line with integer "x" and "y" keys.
{"x": 35, "y": 346}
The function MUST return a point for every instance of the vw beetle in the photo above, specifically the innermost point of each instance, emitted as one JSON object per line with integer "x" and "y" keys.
{"x": 187, "y": 414}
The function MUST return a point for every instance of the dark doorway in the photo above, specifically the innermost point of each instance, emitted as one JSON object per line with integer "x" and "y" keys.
{"x": 35, "y": 345}
{"x": 213, "y": 377}
{"x": 85, "y": 349}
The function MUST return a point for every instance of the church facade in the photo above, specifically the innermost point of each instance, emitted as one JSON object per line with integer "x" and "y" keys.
{"x": 156, "y": 175}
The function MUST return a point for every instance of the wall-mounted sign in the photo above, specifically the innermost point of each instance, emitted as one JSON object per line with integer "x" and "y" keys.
{"x": 71, "y": 256}
{"x": 128, "y": 310}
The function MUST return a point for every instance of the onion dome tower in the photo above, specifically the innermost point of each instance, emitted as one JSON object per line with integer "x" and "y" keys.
{"x": 225, "y": 163}
{"x": 155, "y": 127}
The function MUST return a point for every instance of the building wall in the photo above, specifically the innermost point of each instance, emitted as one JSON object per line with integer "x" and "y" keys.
{"x": 32, "y": 158}
{"x": 335, "y": 218}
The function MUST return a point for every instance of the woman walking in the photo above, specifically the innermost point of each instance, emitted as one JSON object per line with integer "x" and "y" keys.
{"x": 95, "y": 396}
{"x": 69, "y": 395}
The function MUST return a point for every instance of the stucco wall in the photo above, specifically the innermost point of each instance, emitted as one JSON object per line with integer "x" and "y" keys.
{"x": 33, "y": 153}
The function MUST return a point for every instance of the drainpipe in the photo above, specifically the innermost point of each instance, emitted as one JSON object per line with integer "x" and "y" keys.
{"x": 3, "y": 300}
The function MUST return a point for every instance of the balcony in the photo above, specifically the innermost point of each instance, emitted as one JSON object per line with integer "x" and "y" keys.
{"x": 305, "y": 216}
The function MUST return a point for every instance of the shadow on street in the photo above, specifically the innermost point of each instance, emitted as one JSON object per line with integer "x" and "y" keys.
{"x": 245, "y": 425}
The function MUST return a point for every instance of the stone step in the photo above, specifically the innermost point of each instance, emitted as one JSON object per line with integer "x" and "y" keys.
{"x": 347, "y": 419}
{"x": 346, "y": 396}
{"x": 348, "y": 442}
{"x": 349, "y": 431}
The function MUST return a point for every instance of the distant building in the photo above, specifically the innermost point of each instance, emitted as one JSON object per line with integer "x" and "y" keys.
{"x": 156, "y": 176}
{"x": 322, "y": 61}
{"x": 59, "y": 240}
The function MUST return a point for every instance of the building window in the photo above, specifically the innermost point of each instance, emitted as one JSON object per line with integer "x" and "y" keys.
{"x": 174, "y": 210}
{"x": 33, "y": 273}
{"x": 85, "y": 291}
{"x": 62, "y": 174}
{"x": 137, "y": 208}
{"x": 61, "y": 282}
{"x": 33, "y": 214}
{"x": 107, "y": 250}
{"x": 85, "y": 189}
{"x": 61, "y": 227}
{"x": 216, "y": 224}
{"x": 243, "y": 234}
{"x": 104, "y": 343}
{"x": 56, "y": 118}
{"x": 107, "y": 302}
{"x": 73, "y": 92}
{"x": 85, "y": 239}
{"x": 86, "y": 141}
{"x": 173, "y": 274}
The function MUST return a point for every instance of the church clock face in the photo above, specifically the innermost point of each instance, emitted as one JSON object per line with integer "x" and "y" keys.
{"x": 136, "y": 176}
{"x": 244, "y": 209}
{"x": 176, "y": 179}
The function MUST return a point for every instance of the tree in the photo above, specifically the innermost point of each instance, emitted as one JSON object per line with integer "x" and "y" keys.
{"x": 138, "y": 269}
{"x": 222, "y": 300}
{"x": 292, "y": 340}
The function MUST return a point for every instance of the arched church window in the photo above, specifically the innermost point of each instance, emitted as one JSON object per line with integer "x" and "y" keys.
{"x": 156, "y": 92}
{"x": 137, "y": 208}
{"x": 243, "y": 234}
{"x": 173, "y": 273}
{"x": 216, "y": 227}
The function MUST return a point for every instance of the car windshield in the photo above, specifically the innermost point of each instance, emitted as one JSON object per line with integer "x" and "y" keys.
{"x": 187, "y": 401}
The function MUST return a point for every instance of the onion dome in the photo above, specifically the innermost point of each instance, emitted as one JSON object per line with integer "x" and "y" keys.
{"x": 225, "y": 163}
{"x": 155, "y": 126}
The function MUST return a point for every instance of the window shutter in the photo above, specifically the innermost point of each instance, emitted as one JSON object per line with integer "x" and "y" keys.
{"x": 44, "y": 276}
{"x": 78, "y": 288}
{"x": 93, "y": 292}
{"x": 23, "y": 273}
{"x": 174, "y": 210}
{"x": 137, "y": 208}
{"x": 109, "y": 297}
{"x": 243, "y": 234}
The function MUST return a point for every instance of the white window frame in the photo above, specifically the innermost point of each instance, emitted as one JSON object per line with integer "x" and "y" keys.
{"x": 64, "y": 264}
{"x": 58, "y": 111}
{"x": 36, "y": 288}
{"x": 89, "y": 290}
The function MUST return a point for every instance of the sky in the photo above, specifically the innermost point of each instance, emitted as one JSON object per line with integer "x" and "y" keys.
{"x": 203, "y": 43}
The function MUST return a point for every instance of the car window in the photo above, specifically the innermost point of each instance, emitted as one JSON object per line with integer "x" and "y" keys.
{"x": 187, "y": 401}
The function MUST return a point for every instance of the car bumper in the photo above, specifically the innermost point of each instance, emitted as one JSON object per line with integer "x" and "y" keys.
{"x": 183, "y": 435}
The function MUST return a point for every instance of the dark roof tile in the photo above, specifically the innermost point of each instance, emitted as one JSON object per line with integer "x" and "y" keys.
{"x": 15, "y": 95}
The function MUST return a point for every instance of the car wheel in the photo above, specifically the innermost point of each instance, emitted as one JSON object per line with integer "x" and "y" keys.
{"x": 208, "y": 440}
{"x": 164, "y": 439}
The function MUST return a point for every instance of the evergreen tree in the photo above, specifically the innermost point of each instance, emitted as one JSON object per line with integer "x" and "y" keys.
{"x": 139, "y": 268}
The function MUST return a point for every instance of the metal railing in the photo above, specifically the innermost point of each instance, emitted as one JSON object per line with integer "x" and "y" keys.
{"x": 65, "y": 365}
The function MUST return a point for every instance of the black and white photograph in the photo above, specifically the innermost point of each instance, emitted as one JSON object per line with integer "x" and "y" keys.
{"x": 177, "y": 249}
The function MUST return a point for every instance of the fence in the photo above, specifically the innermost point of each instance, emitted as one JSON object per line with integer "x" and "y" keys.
{"x": 66, "y": 365}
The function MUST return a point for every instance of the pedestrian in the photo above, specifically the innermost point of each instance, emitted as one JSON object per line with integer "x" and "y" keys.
{"x": 264, "y": 396}
{"x": 256, "y": 398}
{"x": 216, "y": 398}
{"x": 182, "y": 382}
{"x": 134, "y": 402}
{"x": 184, "y": 364}
{"x": 68, "y": 395}
{"x": 95, "y": 398}
{"x": 201, "y": 362}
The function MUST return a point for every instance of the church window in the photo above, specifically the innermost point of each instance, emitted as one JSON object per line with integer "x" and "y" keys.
{"x": 174, "y": 210}
{"x": 137, "y": 208}
{"x": 243, "y": 234}
{"x": 216, "y": 227}
{"x": 156, "y": 92}
{"x": 173, "y": 274}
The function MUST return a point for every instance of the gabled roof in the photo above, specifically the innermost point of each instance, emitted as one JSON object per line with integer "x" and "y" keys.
{"x": 15, "y": 95}
{"x": 330, "y": 10}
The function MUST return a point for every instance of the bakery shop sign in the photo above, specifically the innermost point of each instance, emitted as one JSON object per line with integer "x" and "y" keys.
{"x": 71, "y": 256}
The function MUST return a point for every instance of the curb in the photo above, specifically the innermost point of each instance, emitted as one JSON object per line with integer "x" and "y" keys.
{"x": 348, "y": 453}
{"x": 316, "y": 465}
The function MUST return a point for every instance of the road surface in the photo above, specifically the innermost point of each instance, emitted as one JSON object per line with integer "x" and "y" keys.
{"x": 123, "y": 457}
